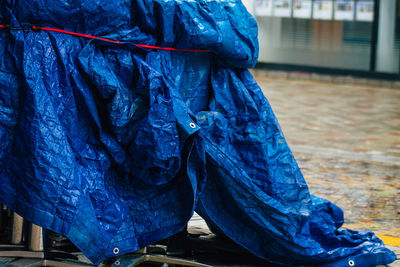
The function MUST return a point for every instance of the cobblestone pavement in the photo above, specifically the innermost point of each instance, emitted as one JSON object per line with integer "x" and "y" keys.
{"x": 346, "y": 139}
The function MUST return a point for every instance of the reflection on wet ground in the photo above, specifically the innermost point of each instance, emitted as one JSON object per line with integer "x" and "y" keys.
{"x": 347, "y": 142}
{"x": 368, "y": 192}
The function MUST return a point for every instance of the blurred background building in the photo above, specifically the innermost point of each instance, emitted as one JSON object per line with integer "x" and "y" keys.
{"x": 354, "y": 37}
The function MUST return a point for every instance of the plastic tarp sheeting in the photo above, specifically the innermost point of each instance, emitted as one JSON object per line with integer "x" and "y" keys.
{"x": 114, "y": 146}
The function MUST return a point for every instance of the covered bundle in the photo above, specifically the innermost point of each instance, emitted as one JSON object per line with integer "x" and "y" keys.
{"x": 115, "y": 145}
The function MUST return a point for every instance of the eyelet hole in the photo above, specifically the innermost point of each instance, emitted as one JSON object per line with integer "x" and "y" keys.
{"x": 192, "y": 125}
{"x": 351, "y": 263}
{"x": 116, "y": 251}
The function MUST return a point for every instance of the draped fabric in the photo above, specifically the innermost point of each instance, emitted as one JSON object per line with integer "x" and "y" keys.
{"x": 115, "y": 146}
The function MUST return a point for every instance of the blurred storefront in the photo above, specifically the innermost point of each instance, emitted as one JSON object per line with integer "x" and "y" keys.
{"x": 346, "y": 36}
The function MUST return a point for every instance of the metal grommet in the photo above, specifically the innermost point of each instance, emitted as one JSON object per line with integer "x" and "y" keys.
{"x": 117, "y": 263}
{"x": 351, "y": 263}
{"x": 192, "y": 125}
{"x": 116, "y": 251}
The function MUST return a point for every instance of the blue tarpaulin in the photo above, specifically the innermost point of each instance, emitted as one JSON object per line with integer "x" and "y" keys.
{"x": 114, "y": 146}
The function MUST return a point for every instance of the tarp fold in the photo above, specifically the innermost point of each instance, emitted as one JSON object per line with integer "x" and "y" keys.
{"x": 115, "y": 146}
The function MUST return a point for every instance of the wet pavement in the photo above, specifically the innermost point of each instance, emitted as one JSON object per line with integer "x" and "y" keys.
{"x": 346, "y": 139}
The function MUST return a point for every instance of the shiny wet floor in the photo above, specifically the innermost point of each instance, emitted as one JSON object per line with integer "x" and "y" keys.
{"x": 346, "y": 139}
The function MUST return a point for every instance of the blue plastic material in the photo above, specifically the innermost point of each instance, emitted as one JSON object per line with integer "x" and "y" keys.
{"x": 114, "y": 146}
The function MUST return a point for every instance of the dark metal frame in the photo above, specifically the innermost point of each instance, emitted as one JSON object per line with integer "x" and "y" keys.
{"x": 374, "y": 36}
{"x": 34, "y": 253}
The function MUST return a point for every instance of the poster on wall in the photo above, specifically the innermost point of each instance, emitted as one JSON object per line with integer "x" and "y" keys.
{"x": 282, "y": 8}
{"x": 322, "y": 9}
{"x": 302, "y": 9}
{"x": 365, "y": 10}
{"x": 263, "y": 8}
{"x": 344, "y": 10}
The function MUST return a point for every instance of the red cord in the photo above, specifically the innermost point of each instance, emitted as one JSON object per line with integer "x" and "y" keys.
{"x": 38, "y": 28}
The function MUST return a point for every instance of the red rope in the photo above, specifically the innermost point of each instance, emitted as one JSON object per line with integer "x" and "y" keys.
{"x": 38, "y": 28}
